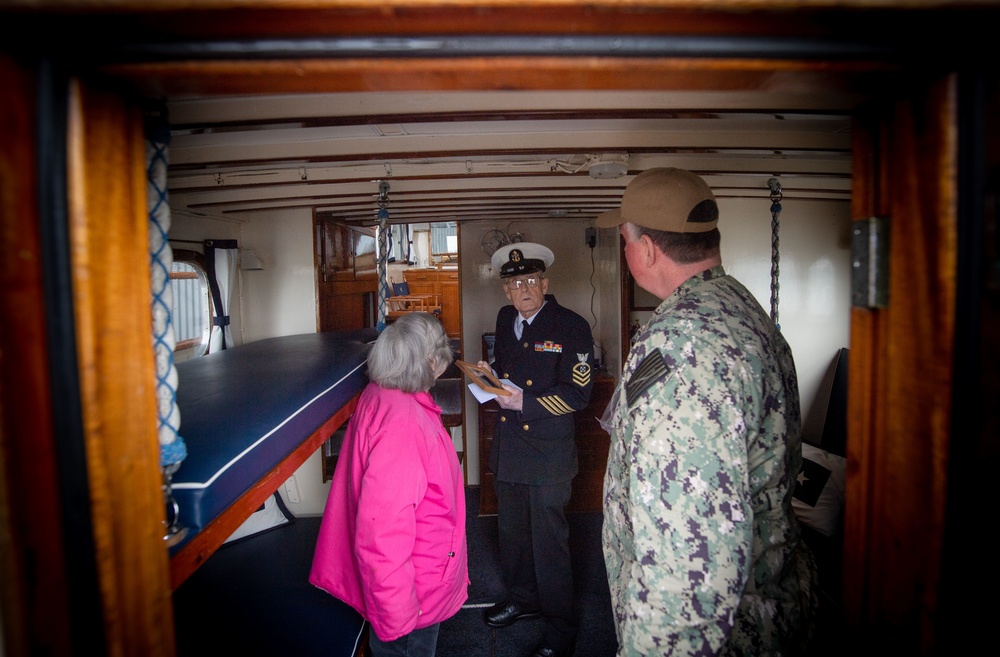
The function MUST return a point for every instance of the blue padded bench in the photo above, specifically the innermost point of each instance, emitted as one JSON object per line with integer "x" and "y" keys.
{"x": 250, "y": 416}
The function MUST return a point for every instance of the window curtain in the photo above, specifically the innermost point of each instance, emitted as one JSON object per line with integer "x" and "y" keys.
{"x": 402, "y": 237}
{"x": 172, "y": 447}
{"x": 439, "y": 236}
{"x": 220, "y": 265}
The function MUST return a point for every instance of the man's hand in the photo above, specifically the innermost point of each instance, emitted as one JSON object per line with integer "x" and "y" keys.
{"x": 512, "y": 402}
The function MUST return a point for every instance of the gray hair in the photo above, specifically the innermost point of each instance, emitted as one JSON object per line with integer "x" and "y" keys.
{"x": 410, "y": 353}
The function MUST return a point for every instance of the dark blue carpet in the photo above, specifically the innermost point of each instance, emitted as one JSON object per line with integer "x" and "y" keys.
{"x": 465, "y": 634}
{"x": 252, "y": 598}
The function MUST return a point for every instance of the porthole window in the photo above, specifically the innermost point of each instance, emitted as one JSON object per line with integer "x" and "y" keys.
{"x": 192, "y": 310}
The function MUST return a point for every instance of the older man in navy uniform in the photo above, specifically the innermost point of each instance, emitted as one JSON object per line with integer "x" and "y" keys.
{"x": 546, "y": 350}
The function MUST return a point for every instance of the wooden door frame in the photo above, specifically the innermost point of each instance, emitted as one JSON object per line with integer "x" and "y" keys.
{"x": 34, "y": 593}
{"x": 89, "y": 554}
{"x": 899, "y": 403}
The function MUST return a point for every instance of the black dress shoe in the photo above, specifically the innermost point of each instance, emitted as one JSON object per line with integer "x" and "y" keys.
{"x": 507, "y": 613}
{"x": 546, "y": 651}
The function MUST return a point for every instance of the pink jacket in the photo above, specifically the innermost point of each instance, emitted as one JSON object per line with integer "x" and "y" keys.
{"x": 392, "y": 540}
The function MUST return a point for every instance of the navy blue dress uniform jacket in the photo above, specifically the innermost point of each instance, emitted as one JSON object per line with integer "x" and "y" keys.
{"x": 552, "y": 364}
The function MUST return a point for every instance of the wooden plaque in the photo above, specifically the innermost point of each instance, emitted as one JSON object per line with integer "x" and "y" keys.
{"x": 483, "y": 378}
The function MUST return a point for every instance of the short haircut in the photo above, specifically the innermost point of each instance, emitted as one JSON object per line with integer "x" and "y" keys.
{"x": 682, "y": 248}
{"x": 409, "y": 353}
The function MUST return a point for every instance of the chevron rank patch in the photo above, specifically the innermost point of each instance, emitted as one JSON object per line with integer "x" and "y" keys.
{"x": 650, "y": 370}
{"x": 581, "y": 371}
{"x": 549, "y": 345}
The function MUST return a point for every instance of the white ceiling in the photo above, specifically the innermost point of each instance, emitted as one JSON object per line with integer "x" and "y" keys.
{"x": 496, "y": 155}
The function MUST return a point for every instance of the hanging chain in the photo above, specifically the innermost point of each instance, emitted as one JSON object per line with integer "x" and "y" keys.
{"x": 775, "y": 187}
{"x": 383, "y": 253}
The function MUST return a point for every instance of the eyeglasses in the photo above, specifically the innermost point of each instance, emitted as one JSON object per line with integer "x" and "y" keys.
{"x": 518, "y": 283}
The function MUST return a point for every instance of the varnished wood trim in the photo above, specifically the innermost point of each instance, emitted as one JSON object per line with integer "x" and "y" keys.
{"x": 33, "y": 575}
{"x": 497, "y": 73}
{"x": 111, "y": 282}
{"x": 899, "y": 404}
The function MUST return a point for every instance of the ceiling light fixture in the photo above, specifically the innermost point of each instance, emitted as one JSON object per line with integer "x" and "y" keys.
{"x": 609, "y": 166}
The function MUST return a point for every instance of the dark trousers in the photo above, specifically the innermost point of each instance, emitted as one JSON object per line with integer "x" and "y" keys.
{"x": 418, "y": 643}
{"x": 534, "y": 554}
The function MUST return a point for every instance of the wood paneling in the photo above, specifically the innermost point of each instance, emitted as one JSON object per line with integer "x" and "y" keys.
{"x": 346, "y": 281}
{"x": 445, "y": 284}
{"x": 899, "y": 422}
{"x": 33, "y": 577}
{"x": 109, "y": 229}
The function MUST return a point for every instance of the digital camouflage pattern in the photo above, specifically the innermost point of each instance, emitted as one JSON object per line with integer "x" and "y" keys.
{"x": 701, "y": 546}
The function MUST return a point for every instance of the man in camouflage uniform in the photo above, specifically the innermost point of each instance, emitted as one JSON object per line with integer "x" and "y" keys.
{"x": 546, "y": 350}
{"x": 702, "y": 549}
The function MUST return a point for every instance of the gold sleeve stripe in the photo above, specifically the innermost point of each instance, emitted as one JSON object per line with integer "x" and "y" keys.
{"x": 555, "y": 405}
{"x": 581, "y": 380}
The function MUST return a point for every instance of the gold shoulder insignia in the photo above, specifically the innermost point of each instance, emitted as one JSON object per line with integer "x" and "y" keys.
{"x": 581, "y": 371}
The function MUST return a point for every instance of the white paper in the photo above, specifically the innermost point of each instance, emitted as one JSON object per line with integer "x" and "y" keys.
{"x": 484, "y": 396}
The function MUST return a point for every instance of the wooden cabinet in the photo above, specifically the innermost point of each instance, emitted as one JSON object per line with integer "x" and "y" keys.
{"x": 443, "y": 282}
{"x": 592, "y": 443}
{"x": 346, "y": 277}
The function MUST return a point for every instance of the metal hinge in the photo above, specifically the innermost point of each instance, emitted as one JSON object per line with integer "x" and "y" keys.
{"x": 870, "y": 263}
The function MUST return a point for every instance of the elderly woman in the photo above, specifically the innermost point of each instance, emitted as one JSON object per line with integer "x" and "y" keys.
{"x": 392, "y": 540}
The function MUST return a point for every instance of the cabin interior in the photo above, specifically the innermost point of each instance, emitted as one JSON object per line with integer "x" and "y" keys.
{"x": 302, "y": 132}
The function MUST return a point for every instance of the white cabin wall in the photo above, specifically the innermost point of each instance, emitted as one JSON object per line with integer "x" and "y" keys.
{"x": 814, "y": 295}
{"x": 281, "y": 298}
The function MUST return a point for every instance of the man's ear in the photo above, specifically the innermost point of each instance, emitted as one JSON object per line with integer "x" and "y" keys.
{"x": 649, "y": 250}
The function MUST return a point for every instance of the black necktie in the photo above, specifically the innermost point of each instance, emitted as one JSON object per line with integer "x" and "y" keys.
{"x": 524, "y": 325}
